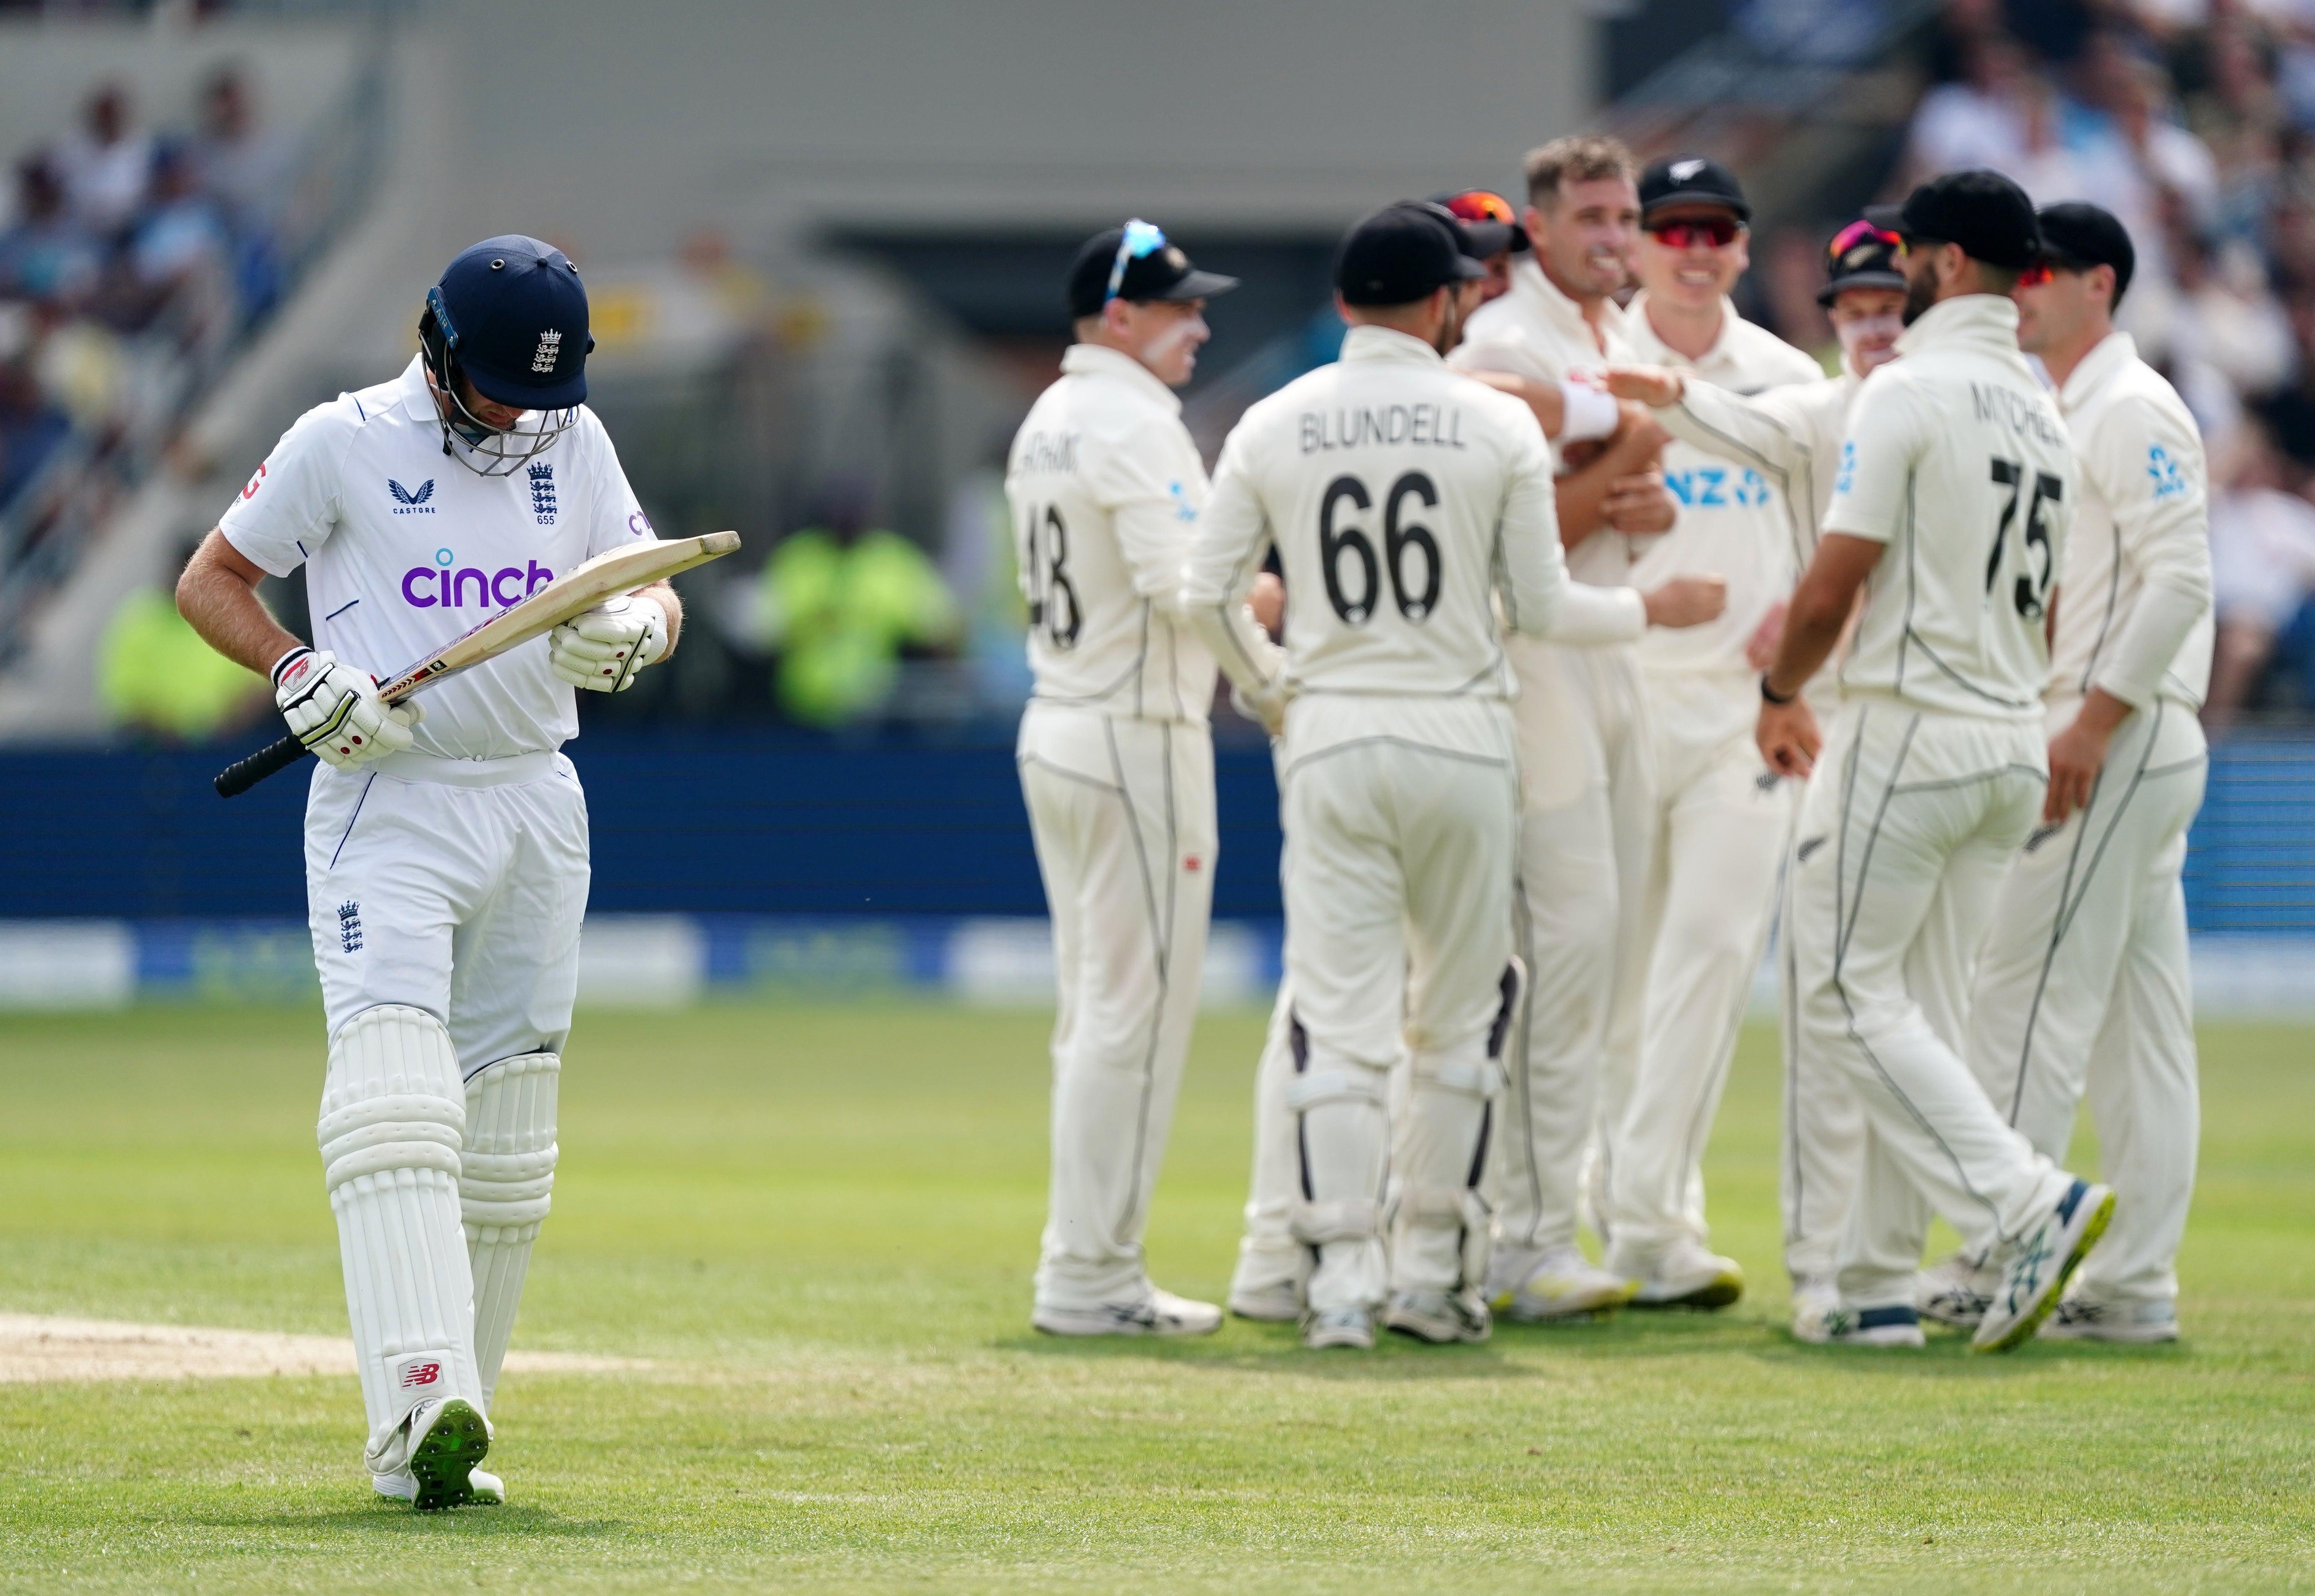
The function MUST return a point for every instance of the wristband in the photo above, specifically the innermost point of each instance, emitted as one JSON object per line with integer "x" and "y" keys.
{"x": 1586, "y": 412}
{"x": 1770, "y": 694}
{"x": 281, "y": 665}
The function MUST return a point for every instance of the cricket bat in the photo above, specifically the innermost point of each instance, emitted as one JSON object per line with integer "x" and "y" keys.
{"x": 606, "y": 576}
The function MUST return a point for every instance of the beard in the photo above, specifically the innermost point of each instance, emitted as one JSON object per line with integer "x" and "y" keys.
{"x": 1920, "y": 292}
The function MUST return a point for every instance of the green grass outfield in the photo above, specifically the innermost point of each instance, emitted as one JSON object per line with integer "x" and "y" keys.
{"x": 820, "y": 1221}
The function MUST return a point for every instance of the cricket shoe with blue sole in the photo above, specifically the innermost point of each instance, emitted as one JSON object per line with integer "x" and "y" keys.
{"x": 2035, "y": 1273}
{"x": 2081, "y": 1316}
{"x": 1556, "y": 1285}
{"x": 1160, "y": 1313}
{"x": 448, "y": 1438}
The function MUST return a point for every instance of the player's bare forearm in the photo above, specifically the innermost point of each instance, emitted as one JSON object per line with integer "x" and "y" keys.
{"x": 1584, "y": 495}
{"x": 1820, "y": 607}
{"x": 217, "y": 596}
{"x": 1550, "y": 410}
{"x": 663, "y": 594}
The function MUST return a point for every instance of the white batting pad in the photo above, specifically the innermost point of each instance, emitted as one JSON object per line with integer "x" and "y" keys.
{"x": 506, "y": 1181}
{"x": 1345, "y": 1144}
{"x": 393, "y": 1116}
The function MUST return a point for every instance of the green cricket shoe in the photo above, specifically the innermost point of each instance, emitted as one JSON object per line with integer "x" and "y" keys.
{"x": 448, "y": 1438}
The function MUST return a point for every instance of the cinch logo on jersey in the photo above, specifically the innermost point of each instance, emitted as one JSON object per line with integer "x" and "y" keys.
{"x": 542, "y": 492}
{"x": 1716, "y": 487}
{"x": 409, "y": 504}
{"x": 427, "y": 587}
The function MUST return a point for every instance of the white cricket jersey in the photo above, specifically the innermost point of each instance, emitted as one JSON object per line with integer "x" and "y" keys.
{"x": 1734, "y": 521}
{"x": 405, "y": 549}
{"x": 1106, "y": 486}
{"x": 2134, "y": 609}
{"x": 1790, "y": 435}
{"x": 1400, "y": 496}
{"x": 1957, "y": 460}
{"x": 1535, "y": 330}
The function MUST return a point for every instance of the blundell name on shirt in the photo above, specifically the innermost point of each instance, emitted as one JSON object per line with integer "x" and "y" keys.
{"x": 1432, "y": 426}
{"x": 2015, "y": 410}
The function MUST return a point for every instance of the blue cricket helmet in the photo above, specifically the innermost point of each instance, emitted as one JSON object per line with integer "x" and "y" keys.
{"x": 512, "y": 313}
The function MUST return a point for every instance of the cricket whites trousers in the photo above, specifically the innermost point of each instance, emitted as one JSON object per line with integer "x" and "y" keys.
{"x": 1904, "y": 835}
{"x": 1123, "y": 813}
{"x": 2082, "y": 988}
{"x": 445, "y": 897}
{"x": 1401, "y": 816}
{"x": 1721, "y": 822}
{"x": 1587, "y": 811}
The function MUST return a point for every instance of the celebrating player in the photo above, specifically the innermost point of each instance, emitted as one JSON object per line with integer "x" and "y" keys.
{"x": 1950, "y": 512}
{"x": 1792, "y": 437}
{"x": 1719, "y": 822}
{"x": 446, "y": 861}
{"x": 1404, "y": 496}
{"x": 1116, "y": 761}
{"x": 2082, "y": 983}
{"x": 1584, "y": 749}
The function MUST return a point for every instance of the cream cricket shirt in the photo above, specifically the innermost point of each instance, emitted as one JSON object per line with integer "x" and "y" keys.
{"x": 1733, "y": 520}
{"x": 405, "y": 549}
{"x": 1790, "y": 435}
{"x": 2136, "y": 614}
{"x": 1400, "y": 496}
{"x": 1537, "y": 331}
{"x": 1105, "y": 487}
{"x": 1956, "y": 459}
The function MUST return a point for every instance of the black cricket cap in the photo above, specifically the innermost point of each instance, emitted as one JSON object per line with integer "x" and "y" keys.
{"x": 2077, "y": 235}
{"x": 1861, "y": 255}
{"x": 1401, "y": 253}
{"x": 1164, "y": 273}
{"x": 1487, "y": 220}
{"x": 1684, "y": 181}
{"x": 1982, "y": 211}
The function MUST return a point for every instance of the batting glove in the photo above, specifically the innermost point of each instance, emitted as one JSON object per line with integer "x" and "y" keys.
{"x": 601, "y": 650}
{"x": 335, "y": 710}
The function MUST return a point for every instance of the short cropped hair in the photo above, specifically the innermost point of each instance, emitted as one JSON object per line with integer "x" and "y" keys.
{"x": 1582, "y": 157}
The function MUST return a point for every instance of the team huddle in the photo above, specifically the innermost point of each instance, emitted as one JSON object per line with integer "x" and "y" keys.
{"x": 1536, "y": 593}
{"x": 1597, "y": 637}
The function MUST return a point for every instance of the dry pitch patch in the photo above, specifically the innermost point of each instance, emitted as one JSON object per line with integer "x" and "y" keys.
{"x": 36, "y": 1347}
{"x": 816, "y": 1225}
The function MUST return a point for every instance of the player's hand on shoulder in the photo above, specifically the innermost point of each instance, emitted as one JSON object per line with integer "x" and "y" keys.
{"x": 601, "y": 650}
{"x": 334, "y": 709}
{"x": 1686, "y": 601}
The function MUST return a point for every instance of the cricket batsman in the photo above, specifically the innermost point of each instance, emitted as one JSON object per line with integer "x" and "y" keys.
{"x": 445, "y": 855}
{"x": 1117, "y": 764}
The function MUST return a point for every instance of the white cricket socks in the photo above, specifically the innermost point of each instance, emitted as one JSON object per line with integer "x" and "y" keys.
{"x": 505, "y": 1187}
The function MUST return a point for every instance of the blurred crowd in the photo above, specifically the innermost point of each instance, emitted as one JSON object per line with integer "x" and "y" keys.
{"x": 2193, "y": 121}
{"x": 124, "y": 250}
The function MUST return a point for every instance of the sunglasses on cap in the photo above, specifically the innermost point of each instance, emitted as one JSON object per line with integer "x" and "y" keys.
{"x": 2046, "y": 268}
{"x": 1482, "y": 205}
{"x": 1141, "y": 238}
{"x": 1696, "y": 231}
{"x": 1861, "y": 231}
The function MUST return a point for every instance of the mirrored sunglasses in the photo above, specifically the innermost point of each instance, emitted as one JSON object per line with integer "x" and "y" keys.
{"x": 2038, "y": 273}
{"x": 1862, "y": 232}
{"x": 1141, "y": 238}
{"x": 1696, "y": 232}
